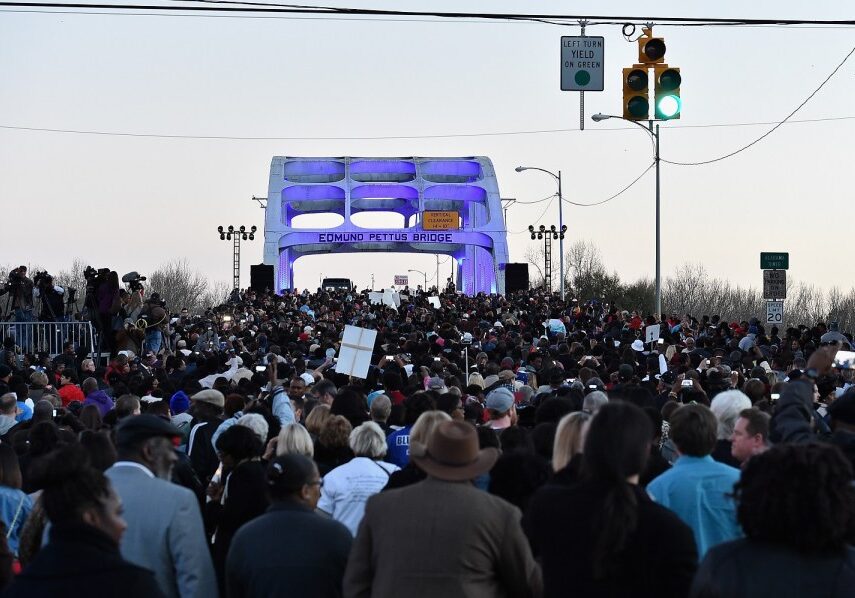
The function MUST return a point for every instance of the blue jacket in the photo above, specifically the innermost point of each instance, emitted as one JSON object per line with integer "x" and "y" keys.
{"x": 699, "y": 490}
{"x": 12, "y": 502}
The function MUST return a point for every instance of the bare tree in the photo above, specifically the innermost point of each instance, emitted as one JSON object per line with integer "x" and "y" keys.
{"x": 216, "y": 294}
{"x": 73, "y": 279}
{"x": 179, "y": 285}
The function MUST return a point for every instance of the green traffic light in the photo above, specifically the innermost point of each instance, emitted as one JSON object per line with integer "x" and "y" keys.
{"x": 638, "y": 106}
{"x": 668, "y": 106}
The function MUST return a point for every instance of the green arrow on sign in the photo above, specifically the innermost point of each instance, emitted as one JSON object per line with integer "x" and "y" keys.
{"x": 582, "y": 77}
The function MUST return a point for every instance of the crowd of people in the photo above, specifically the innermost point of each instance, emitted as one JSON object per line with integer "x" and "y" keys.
{"x": 517, "y": 445}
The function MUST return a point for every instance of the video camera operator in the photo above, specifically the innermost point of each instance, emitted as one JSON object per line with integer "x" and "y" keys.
{"x": 134, "y": 303}
{"x": 52, "y": 307}
{"x": 20, "y": 287}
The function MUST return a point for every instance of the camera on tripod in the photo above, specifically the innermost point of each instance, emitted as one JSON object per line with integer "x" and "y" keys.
{"x": 95, "y": 277}
{"x": 133, "y": 280}
{"x": 41, "y": 279}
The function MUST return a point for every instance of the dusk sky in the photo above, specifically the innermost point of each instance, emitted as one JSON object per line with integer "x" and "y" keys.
{"x": 333, "y": 87}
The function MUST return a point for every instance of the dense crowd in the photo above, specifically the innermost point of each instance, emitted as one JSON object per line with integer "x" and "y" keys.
{"x": 497, "y": 446}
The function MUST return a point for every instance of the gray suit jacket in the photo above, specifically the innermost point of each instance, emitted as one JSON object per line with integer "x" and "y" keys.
{"x": 438, "y": 538}
{"x": 165, "y": 533}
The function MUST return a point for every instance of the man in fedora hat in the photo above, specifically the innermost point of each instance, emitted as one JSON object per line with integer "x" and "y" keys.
{"x": 443, "y": 536}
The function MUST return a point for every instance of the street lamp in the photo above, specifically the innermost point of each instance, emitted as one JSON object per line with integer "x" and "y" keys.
{"x": 561, "y": 226}
{"x": 236, "y": 234}
{"x": 655, "y": 136}
{"x": 423, "y": 274}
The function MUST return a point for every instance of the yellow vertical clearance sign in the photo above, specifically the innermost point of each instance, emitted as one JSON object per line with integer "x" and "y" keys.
{"x": 439, "y": 220}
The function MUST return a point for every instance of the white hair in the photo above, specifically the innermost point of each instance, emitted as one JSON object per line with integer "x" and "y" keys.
{"x": 593, "y": 401}
{"x": 294, "y": 439}
{"x": 727, "y": 406}
{"x": 368, "y": 440}
{"x": 256, "y": 423}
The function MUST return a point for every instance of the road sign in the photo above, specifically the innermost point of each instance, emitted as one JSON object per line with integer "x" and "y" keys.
{"x": 438, "y": 220}
{"x": 774, "y": 312}
{"x": 774, "y": 261}
{"x": 774, "y": 284}
{"x": 582, "y": 63}
{"x": 402, "y": 280}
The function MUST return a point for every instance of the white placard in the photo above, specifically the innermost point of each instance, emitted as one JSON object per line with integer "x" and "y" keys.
{"x": 434, "y": 302}
{"x": 651, "y": 333}
{"x": 357, "y": 346}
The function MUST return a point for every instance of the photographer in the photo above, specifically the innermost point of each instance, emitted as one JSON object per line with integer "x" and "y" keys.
{"x": 108, "y": 302}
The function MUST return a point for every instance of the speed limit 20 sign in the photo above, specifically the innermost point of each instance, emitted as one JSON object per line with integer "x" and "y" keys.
{"x": 774, "y": 312}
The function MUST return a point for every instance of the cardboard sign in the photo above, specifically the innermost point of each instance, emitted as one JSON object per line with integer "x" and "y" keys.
{"x": 357, "y": 346}
{"x": 651, "y": 333}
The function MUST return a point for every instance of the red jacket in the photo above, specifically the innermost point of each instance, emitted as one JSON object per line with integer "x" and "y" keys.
{"x": 70, "y": 392}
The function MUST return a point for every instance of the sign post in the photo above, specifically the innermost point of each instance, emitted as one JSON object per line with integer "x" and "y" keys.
{"x": 774, "y": 266}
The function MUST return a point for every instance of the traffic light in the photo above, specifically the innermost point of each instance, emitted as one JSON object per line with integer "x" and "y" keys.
{"x": 636, "y": 105}
{"x": 651, "y": 50}
{"x": 666, "y": 92}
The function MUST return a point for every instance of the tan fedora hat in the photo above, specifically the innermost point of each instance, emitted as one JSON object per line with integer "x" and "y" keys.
{"x": 452, "y": 453}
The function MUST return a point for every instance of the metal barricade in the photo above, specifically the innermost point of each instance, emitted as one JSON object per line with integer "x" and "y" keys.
{"x": 33, "y": 337}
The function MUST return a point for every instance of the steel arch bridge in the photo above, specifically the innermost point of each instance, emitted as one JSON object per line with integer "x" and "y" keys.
{"x": 407, "y": 186}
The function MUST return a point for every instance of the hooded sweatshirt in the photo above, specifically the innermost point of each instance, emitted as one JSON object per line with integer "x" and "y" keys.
{"x": 100, "y": 399}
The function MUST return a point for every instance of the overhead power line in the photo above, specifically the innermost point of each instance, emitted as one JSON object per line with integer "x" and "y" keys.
{"x": 773, "y": 129}
{"x": 401, "y": 137}
{"x": 618, "y": 194}
{"x": 220, "y": 6}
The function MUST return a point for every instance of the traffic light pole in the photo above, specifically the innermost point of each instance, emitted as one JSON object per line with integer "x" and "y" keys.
{"x": 658, "y": 227}
{"x": 654, "y": 134}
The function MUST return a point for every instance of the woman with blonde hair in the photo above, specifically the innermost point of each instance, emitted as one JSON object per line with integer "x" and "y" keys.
{"x": 422, "y": 430}
{"x": 294, "y": 439}
{"x": 567, "y": 448}
{"x": 316, "y": 419}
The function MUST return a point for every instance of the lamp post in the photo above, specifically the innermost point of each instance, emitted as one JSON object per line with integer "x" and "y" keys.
{"x": 561, "y": 226}
{"x": 423, "y": 274}
{"x": 655, "y": 136}
{"x": 236, "y": 234}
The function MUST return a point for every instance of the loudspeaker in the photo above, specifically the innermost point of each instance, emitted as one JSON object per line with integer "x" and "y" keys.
{"x": 516, "y": 277}
{"x": 261, "y": 278}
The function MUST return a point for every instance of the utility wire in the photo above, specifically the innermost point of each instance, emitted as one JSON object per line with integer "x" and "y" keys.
{"x": 404, "y": 137}
{"x": 533, "y": 202}
{"x": 539, "y": 218}
{"x": 618, "y": 194}
{"x": 564, "y": 19}
{"x": 773, "y": 129}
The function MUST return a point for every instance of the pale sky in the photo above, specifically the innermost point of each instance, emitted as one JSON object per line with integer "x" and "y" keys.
{"x": 131, "y": 203}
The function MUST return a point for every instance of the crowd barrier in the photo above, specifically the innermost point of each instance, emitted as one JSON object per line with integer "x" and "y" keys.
{"x": 49, "y": 337}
